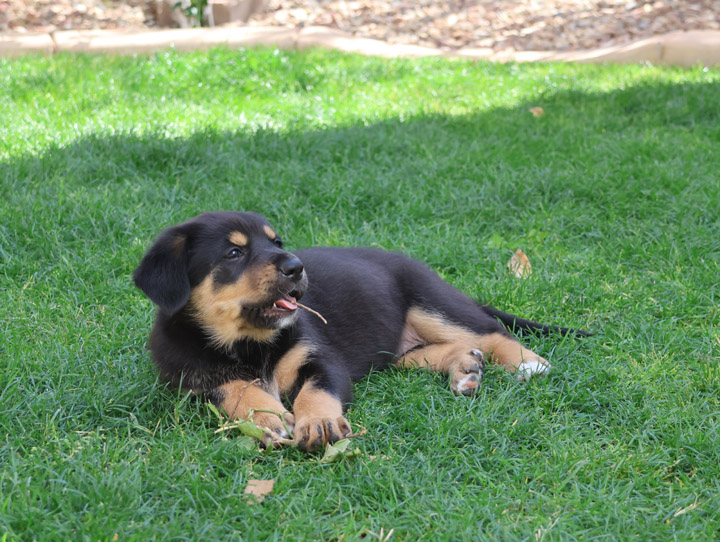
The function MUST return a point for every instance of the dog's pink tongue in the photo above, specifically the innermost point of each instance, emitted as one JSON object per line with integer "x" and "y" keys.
{"x": 287, "y": 303}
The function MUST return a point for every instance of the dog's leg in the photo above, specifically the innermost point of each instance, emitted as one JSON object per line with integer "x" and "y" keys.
{"x": 513, "y": 356}
{"x": 461, "y": 361}
{"x": 485, "y": 334}
{"x": 319, "y": 416}
{"x": 245, "y": 399}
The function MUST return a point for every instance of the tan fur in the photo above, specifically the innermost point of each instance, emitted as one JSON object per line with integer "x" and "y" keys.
{"x": 238, "y": 238}
{"x": 242, "y": 396}
{"x": 218, "y": 310}
{"x": 507, "y": 352}
{"x": 433, "y": 328}
{"x": 425, "y": 328}
{"x": 318, "y": 418}
{"x": 316, "y": 403}
{"x": 248, "y": 401}
{"x": 269, "y": 232}
{"x": 286, "y": 370}
{"x": 436, "y": 357}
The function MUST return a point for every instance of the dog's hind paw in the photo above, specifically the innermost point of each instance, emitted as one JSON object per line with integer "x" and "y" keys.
{"x": 466, "y": 373}
{"x": 528, "y": 369}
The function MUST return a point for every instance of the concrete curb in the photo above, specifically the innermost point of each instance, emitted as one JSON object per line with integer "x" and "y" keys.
{"x": 674, "y": 49}
{"x": 190, "y": 39}
{"x": 12, "y": 44}
{"x": 322, "y": 36}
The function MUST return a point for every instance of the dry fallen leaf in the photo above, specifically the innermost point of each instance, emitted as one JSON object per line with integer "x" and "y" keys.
{"x": 258, "y": 489}
{"x": 519, "y": 265}
{"x": 537, "y": 111}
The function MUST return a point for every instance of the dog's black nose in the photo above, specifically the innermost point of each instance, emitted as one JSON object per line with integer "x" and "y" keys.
{"x": 292, "y": 268}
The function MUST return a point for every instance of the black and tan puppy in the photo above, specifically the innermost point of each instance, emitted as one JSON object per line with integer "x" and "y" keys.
{"x": 229, "y": 326}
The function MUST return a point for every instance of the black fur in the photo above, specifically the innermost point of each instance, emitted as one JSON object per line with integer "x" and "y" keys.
{"x": 513, "y": 323}
{"x": 364, "y": 294}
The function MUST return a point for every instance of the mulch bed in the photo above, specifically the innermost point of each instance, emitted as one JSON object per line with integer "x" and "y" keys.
{"x": 500, "y": 25}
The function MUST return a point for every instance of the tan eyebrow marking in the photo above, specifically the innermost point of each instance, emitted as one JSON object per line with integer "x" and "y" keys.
{"x": 238, "y": 238}
{"x": 269, "y": 232}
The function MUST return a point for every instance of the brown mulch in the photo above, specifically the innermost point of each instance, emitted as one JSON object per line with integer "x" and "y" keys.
{"x": 522, "y": 25}
{"x": 47, "y": 16}
{"x": 447, "y": 24}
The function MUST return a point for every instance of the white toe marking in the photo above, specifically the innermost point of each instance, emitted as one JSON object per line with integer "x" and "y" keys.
{"x": 529, "y": 368}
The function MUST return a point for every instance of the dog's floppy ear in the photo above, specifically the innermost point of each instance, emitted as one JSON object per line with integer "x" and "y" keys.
{"x": 163, "y": 271}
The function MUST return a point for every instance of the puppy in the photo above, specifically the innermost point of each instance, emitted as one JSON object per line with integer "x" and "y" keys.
{"x": 230, "y": 326}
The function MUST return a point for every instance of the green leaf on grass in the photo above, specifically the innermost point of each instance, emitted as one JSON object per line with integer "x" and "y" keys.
{"x": 339, "y": 450}
{"x": 246, "y": 427}
{"x": 250, "y": 429}
{"x": 215, "y": 411}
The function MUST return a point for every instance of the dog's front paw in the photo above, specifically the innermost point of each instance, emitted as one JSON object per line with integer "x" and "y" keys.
{"x": 466, "y": 373}
{"x": 312, "y": 433}
{"x": 278, "y": 430}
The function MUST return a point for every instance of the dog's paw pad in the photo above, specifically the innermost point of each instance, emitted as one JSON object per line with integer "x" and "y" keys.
{"x": 528, "y": 369}
{"x": 467, "y": 374}
{"x": 468, "y": 385}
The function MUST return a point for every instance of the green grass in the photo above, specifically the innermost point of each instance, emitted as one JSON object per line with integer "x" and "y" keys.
{"x": 614, "y": 195}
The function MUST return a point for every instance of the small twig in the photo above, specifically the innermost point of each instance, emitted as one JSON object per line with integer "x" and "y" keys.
{"x": 265, "y": 430}
{"x": 229, "y": 426}
{"x": 230, "y": 415}
{"x": 360, "y": 434}
{"x": 316, "y": 313}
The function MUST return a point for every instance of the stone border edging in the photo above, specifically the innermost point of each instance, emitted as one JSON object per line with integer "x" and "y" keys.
{"x": 674, "y": 49}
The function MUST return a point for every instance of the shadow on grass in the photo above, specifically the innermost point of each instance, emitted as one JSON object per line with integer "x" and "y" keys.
{"x": 591, "y": 166}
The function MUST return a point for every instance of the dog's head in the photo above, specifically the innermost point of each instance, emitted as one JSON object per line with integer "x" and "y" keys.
{"x": 229, "y": 270}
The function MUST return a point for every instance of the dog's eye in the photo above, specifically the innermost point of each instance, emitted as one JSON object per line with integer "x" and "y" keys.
{"x": 234, "y": 253}
{"x": 278, "y": 242}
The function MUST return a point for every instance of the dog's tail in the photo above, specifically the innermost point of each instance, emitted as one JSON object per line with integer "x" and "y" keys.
{"x": 514, "y": 323}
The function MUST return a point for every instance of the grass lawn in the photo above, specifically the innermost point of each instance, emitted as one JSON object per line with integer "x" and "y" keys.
{"x": 614, "y": 195}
